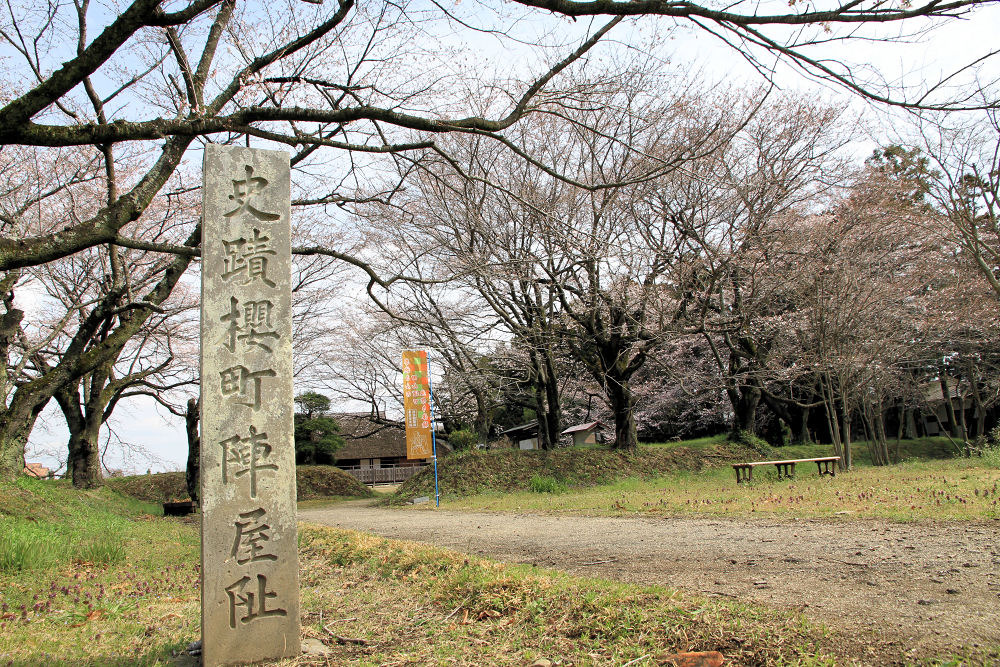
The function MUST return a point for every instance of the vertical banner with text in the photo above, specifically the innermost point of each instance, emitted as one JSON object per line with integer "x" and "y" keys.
{"x": 249, "y": 576}
{"x": 417, "y": 405}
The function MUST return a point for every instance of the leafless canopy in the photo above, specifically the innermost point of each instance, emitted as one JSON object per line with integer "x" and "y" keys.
{"x": 368, "y": 79}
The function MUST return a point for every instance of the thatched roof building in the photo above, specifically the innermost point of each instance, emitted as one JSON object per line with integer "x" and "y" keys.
{"x": 376, "y": 443}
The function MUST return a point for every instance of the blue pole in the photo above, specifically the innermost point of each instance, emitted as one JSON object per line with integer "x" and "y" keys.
{"x": 430, "y": 395}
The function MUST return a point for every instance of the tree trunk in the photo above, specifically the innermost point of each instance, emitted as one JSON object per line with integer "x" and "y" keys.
{"x": 796, "y": 417}
{"x": 878, "y": 448}
{"x": 845, "y": 431}
{"x": 882, "y": 438}
{"x": 483, "y": 423}
{"x": 541, "y": 415}
{"x": 553, "y": 416}
{"x": 949, "y": 407}
{"x": 901, "y": 416}
{"x": 911, "y": 425}
{"x": 193, "y": 470}
{"x": 12, "y": 439}
{"x": 546, "y": 399}
{"x": 963, "y": 427}
{"x": 800, "y": 428}
{"x": 830, "y": 405}
{"x": 84, "y": 465}
{"x": 12, "y": 444}
{"x": 14, "y": 431}
{"x": 744, "y": 400}
{"x": 623, "y": 406}
{"x": 977, "y": 402}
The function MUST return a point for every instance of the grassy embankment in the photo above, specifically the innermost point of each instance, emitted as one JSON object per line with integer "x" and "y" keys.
{"x": 311, "y": 482}
{"x": 134, "y": 601}
{"x": 92, "y": 577}
{"x": 472, "y": 473}
{"x": 695, "y": 477}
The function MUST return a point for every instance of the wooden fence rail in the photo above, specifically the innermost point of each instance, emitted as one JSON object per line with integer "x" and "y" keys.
{"x": 383, "y": 475}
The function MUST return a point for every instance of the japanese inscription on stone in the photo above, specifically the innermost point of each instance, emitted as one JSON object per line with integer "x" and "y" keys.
{"x": 250, "y": 593}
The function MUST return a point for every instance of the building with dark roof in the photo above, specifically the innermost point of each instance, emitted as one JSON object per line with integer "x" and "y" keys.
{"x": 376, "y": 443}
{"x": 524, "y": 436}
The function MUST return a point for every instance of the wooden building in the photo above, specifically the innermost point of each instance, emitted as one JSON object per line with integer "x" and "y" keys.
{"x": 524, "y": 436}
{"x": 371, "y": 443}
{"x": 584, "y": 434}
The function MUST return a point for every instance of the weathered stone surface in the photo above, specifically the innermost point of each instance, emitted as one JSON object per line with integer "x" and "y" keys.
{"x": 693, "y": 659}
{"x": 250, "y": 599}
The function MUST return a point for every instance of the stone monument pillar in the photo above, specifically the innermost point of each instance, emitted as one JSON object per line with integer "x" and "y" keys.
{"x": 249, "y": 576}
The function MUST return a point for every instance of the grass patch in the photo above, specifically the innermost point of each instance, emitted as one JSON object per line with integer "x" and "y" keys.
{"x": 439, "y": 607}
{"x": 950, "y": 490}
{"x": 510, "y": 470}
{"x": 93, "y": 578}
{"x": 477, "y": 472}
{"x": 990, "y": 458}
{"x": 694, "y": 477}
{"x": 542, "y": 484}
{"x": 312, "y": 482}
{"x": 915, "y": 449}
{"x": 22, "y": 548}
{"x": 411, "y": 604}
{"x": 708, "y": 442}
{"x": 44, "y": 524}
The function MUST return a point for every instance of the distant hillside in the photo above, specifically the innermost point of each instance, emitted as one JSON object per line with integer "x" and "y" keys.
{"x": 506, "y": 470}
{"x": 311, "y": 482}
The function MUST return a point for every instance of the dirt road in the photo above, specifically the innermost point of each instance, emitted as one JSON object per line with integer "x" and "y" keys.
{"x": 927, "y": 588}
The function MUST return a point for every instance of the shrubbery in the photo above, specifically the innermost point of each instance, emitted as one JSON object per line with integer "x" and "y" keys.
{"x": 462, "y": 439}
{"x": 544, "y": 484}
{"x": 754, "y": 442}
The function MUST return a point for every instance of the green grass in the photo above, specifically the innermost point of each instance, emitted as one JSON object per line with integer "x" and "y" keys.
{"x": 917, "y": 448}
{"x": 92, "y": 577}
{"x": 696, "y": 477}
{"x": 439, "y": 607}
{"x": 129, "y": 595}
{"x": 46, "y": 523}
{"x": 26, "y": 547}
{"x": 412, "y": 603}
{"x": 501, "y": 471}
{"x": 707, "y": 442}
{"x": 951, "y": 490}
{"x": 990, "y": 458}
{"x": 543, "y": 484}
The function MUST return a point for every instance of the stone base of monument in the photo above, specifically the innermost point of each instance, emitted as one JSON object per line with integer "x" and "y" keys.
{"x": 191, "y": 656}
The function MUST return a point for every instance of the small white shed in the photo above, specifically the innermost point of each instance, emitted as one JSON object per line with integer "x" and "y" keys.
{"x": 584, "y": 434}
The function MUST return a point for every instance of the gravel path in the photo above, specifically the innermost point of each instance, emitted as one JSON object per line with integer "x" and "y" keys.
{"x": 927, "y": 588}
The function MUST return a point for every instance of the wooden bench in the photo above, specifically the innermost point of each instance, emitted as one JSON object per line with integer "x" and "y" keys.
{"x": 825, "y": 464}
